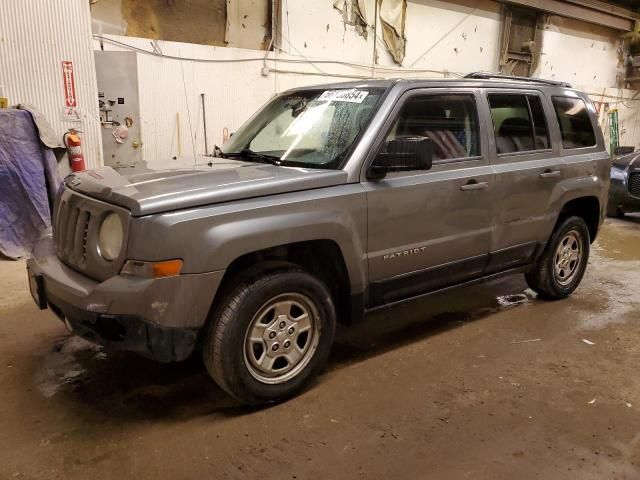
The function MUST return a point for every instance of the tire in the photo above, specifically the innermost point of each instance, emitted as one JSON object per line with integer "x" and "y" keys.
{"x": 239, "y": 348}
{"x": 556, "y": 283}
{"x": 614, "y": 211}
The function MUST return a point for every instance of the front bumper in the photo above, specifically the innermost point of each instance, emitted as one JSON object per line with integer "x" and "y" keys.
{"x": 158, "y": 318}
{"x": 619, "y": 195}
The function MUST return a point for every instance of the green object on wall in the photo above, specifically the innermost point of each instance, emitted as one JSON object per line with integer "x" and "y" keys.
{"x": 614, "y": 134}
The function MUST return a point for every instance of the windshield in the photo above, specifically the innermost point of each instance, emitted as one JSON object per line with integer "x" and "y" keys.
{"x": 313, "y": 128}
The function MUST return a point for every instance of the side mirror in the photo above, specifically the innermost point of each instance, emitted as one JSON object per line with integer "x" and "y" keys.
{"x": 402, "y": 154}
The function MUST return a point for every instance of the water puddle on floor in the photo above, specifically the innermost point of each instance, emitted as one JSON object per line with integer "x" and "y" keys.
{"x": 60, "y": 367}
{"x": 516, "y": 299}
{"x": 619, "y": 240}
{"x": 613, "y": 275}
{"x": 615, "y": 295}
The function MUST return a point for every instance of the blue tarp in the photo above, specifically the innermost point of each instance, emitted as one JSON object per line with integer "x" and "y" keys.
{"x": 28, "y": 180}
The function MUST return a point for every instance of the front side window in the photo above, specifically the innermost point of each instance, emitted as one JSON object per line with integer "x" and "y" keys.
{"x": 312, "y": 128}
{"x": 575, "y": 122}
{"x": 449, "y": 121}
{"x": 519, "y": 123}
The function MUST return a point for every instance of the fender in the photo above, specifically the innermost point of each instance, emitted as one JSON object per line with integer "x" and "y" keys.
{"x": 210, "y": 238}
{"x": 571, "y": 189}
{"x": 229, "y": 241}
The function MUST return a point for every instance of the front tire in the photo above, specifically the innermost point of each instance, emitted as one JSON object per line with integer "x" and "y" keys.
{"x": 560, "y": 269}
{"x": 270, "y": 336}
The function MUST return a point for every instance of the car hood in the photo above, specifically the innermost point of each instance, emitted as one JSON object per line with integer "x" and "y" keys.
{"x": 629, "y": 160}
{"x": 156, "y": 191}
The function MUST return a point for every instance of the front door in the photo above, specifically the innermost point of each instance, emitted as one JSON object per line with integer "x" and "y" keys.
{"x": 428, "y": 229}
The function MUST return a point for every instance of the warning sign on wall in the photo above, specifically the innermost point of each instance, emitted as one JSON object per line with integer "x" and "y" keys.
{"x": 69, "y": 85}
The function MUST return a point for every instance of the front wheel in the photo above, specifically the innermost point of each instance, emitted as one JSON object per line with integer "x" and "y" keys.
{"x": 559, "y": 270}
{"x": 270, "y": 336}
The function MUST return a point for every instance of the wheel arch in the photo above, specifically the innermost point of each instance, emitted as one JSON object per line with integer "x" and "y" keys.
{"x": 588, "y": 208}
{"x": 322, "y": 258}
{"x": 584, "y": 197}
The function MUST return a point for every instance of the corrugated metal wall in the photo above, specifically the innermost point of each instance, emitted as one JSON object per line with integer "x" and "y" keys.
{"x": 36, "y": 36}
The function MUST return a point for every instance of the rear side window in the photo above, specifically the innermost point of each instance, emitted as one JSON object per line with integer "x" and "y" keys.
{"x": 575, "y": 123}
{"x": 450, "y": 121}
{"x": 519, "y": 123}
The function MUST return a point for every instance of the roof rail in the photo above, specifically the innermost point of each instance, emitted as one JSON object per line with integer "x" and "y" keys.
{"x": 489, "y": 75}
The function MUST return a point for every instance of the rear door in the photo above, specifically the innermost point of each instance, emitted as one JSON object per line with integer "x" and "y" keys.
{"x": 527, "y": 164}
{"x": 427, "y": 229}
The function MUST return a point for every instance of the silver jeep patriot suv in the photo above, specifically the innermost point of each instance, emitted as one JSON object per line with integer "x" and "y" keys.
{"x": 330, "y": 202}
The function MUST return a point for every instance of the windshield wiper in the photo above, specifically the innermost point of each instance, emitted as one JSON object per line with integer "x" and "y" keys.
{"x": 248, "y": 153}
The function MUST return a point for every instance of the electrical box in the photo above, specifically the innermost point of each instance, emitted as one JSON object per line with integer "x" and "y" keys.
{"x": 119, "y": 103}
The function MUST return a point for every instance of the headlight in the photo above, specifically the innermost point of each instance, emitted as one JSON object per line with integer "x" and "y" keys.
{"x": 618, "y": 174}
{"x": 110, "y": 237}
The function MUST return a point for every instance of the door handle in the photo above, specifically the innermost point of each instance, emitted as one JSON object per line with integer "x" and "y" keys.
{"x": 473, "y": 185}
{"x": 550, "y": 174}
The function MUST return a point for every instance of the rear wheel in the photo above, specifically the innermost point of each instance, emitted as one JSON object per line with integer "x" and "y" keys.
{"x": 560, "y": 268}
{"x": 270, "y": 336}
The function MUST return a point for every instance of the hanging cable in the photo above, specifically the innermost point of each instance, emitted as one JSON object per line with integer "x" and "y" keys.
{"x": 186, "y": 100}
{"x": 379, "y": 68}
{"x": 322, "y": 74}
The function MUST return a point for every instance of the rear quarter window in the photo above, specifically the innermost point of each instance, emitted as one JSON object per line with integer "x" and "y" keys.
{"x": 575, "y": 122}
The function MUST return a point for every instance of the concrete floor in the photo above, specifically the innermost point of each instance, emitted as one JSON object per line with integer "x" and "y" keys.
{"x": 485, "y": 383}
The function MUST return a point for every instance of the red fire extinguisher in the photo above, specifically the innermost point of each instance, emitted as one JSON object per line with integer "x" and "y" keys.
{"x": 74, "y": 149}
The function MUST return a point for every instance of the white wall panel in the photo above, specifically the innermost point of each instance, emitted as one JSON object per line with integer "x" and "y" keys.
{"x": 579, "y": 53}
{"x": 35, "y": 37}
{"x": 455, "y": 36}
{"x": 316, "y": 29}
{"x": 458, "y": 36}
{"x": 170, "y": 89}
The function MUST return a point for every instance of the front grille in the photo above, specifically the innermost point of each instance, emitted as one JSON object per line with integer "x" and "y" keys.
{"x": 70, "y": 233}
{"x": 76, "y": 227}
{"x": 634, "y": 184}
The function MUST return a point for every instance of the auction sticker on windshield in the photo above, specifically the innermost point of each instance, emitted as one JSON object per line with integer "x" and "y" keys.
{"x": 352, "y": 95}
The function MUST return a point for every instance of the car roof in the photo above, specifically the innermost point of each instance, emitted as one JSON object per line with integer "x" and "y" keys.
{"x": 481, "y": 80}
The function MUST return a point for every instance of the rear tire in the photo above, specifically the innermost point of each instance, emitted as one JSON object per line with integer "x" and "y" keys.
{"x": 560, "y": 268}
{"x": 270, "y": 336}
